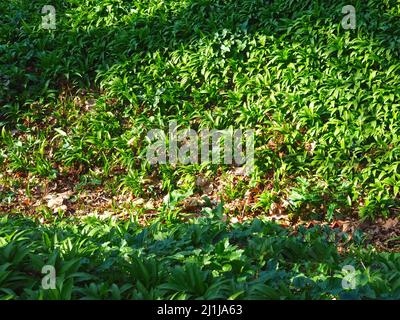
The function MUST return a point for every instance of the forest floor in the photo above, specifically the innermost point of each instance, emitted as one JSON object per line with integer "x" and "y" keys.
{"x": 316, "y": 217}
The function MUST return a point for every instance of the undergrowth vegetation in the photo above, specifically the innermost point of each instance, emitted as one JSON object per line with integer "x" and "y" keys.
{"x": 323, "y": 100}
{"x": 77, "y": 102}
{"x": 205, "y": 258}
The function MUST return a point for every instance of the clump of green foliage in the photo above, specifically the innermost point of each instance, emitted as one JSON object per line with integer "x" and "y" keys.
{"x": 286, "y": 69}
{"x": 205, "y": 258}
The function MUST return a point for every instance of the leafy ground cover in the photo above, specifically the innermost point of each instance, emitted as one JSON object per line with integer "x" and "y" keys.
{"x": 76, "y": 104}
{"x": 205, "y": 258}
